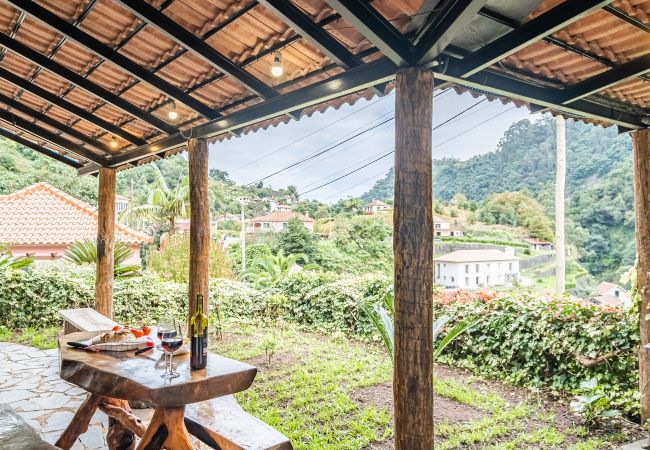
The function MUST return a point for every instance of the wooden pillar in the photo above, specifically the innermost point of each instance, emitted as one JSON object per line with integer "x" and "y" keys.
{"x": 105, "y": 242}
{"x": 199, "y": 222}
{"x": 413, "y": 248}
{"x": 641, "y": 140}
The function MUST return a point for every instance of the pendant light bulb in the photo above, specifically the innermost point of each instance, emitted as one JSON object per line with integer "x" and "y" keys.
{"x": 113, "y": 142}
{"x": 276, "y": 69}
{"x": 172, "y": 114}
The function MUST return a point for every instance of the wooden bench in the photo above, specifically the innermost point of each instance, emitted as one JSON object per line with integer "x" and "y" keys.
{"x": 222, "y": 424}
{"x": 15, "y": 434}
{"x": 84, "y": 319}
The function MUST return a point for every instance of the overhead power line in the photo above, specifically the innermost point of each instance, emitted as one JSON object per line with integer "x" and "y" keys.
{"x": 387, "y": 154}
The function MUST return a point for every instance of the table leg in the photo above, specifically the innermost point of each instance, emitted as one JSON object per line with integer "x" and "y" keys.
{"x": 167, "y": 429}
{"x": 80, "y": 421}
{"x": 119, "y": 436}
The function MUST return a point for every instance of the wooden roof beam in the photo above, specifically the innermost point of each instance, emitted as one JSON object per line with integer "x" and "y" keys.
{"x": 441, "y": 26}
{"x": 78, "y": 80}
{"x": 606, "y": 79}
{"x": 543, "y": 25}
{"x": 374, "y": 27}
{"x": 104, "y": 51}
{"x": 68, "y": 106}
{"x": 196, "y": 46}
{"x": 37, "y": 115}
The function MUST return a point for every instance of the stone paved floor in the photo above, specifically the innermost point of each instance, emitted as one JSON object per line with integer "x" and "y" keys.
{"x": 30, "y": 384}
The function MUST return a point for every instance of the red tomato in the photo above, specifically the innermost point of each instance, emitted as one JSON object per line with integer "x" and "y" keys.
{"x": 146, "y": 330}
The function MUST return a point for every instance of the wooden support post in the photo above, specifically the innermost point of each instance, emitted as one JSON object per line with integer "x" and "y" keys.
{"x": 413, "y": 248}
{"x": 199, "y": 222}
{"x": 105, "y": 242}
{"x": 641, "y": 140}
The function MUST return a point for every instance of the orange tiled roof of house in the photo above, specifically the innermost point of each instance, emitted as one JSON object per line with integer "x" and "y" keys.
{"x": 43, "y": 214}
{"x": 282, "y": 216}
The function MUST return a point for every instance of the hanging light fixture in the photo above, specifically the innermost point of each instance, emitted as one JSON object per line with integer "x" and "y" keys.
{"x": 113, "y": 142}
{"x": 172, "y": 114}
{"x": 276, "y": 69}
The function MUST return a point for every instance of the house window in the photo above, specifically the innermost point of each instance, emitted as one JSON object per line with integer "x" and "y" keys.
{"x": 477, "y": 269}
{"x": 436, "y": 225}
{"x": 444, "y": 265}
{"x": 466, "y": 268}
{"x": 477, "y": 282}
{"x": 452, "y": 279}
{"x": 616, "y": 293}
{"x": 266, "y": 225}
{"x": 466, "y": 281}
{"x": 438, "y": 269}
{"x": 510, "y": 267}
{"x": 488, "y": 266}
{"x": 487, "y": 280}
{"x": 437, "y": 233}
{"x": 285, "y": 225}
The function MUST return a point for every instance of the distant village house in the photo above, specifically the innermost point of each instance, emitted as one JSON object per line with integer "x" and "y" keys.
{"x": 41, "y": 221}
{"x": 375, "y": 206}
{"x": 443, "y": 228}
{"x": 278, "y": 221}
{"x": 472, "y": 269}
{"x": 538, "y": 244}
{"x": 611, "y": 295}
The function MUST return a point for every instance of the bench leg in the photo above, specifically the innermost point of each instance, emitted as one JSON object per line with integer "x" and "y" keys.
{"x": 167, "y": 429}
{"x": 80, "y": 421}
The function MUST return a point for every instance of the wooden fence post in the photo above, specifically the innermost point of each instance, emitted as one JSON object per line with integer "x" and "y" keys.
{"x": 199, "y": 222}
{"x": 105, "y": 242}
{"x": 641, "y": 140}
{"x": 413, "y": 248}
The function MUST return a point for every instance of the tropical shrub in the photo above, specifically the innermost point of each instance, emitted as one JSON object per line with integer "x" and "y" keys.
{"x": 265, "y": 271}
{"x": 85, "y": 252}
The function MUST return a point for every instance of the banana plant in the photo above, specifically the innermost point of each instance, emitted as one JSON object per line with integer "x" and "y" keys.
{"x": 85, "y": 252}
{"x": 381, "y": 315}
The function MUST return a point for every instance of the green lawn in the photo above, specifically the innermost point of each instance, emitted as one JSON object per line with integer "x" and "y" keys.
{"x": 328, "y": 392}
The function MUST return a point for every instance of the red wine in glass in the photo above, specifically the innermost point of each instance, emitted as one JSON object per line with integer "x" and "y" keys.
{"x": 171, "y": 344}
{"x": 162, "y": 334}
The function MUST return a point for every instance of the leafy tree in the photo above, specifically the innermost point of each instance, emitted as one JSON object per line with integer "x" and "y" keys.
{"x": 164, "y": 204}
{"x": 349, "y": 206}
{"x": 518, "y": 209}
{"x": 362, "y": 235}
{"x": 297, "y": 239}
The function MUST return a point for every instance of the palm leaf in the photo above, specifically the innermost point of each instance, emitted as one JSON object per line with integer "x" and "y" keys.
{"x": 9, "y": 262}
{"x": 451, "y": 335}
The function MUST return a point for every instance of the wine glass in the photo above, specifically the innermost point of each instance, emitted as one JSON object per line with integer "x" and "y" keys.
{"x": 171, "y": 341}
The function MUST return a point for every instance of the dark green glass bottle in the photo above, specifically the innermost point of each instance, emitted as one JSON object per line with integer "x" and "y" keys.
{"x": 199, "y": 336}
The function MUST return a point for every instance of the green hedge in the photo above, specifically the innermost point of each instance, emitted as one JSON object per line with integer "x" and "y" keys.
{"x": 33, "y": 298}
{"x": 534, "y": 342}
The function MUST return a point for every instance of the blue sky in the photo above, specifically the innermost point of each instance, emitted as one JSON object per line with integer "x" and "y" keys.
{"x": 243, "y": 158}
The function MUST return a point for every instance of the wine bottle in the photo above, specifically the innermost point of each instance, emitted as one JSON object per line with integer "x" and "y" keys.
{"x": 199, "y": 336}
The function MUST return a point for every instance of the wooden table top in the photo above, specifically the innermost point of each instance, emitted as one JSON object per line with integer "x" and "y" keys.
{"x": 125, "y": 376}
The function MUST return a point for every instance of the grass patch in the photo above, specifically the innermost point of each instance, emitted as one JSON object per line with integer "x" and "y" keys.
{"x": 44, "y": 339}
{"x": 307, "y": 394}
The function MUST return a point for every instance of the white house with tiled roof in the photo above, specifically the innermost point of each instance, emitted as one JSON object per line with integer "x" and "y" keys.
{"x": 444, "y": 228}
{"x": 42, "y": 222}
{"x": 375, "y": 206}
{"x": 472, "y": 269}
{"x": 278, "y": 221}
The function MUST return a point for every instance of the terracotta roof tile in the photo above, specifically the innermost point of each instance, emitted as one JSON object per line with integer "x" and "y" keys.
{"x": 42, "y": 214}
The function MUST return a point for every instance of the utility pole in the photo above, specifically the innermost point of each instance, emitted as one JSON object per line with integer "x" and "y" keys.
{"x": 560, "y": 252}
{"x": 242, "y": 234}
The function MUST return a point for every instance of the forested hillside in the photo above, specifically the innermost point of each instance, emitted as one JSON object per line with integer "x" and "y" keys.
{"x": 599, "y": 185}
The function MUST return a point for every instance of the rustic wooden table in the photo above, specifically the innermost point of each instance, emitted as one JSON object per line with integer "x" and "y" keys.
{"x": 114, "y": 378}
